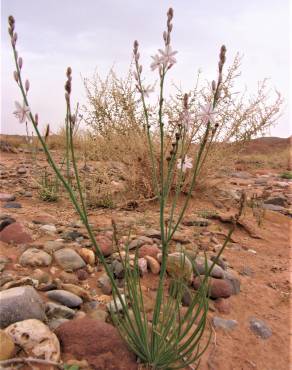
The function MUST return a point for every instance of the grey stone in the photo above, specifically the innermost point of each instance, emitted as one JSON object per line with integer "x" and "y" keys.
{"x": 58, "y": 311}
{"x": 12, "y": 205}
{"x": 55, "y": 323}
{"x": 35, "y": 257}
{"x": 241, "y": 175}
{"x": 233, "y": 280}
{"x": 136, "y": 243}
{"x": 53, "y": 245}
{"x": 49, "y": 229}
{"x": 72, "y": 235}
{"x": 105, "y": 284}
{"x": 20, "y": 303}
{"x": 64, "y": 297}
{"x": 68, "y": 259}
{"x": 219, "y": 322}
{"x": 152, "y": 233}
{"x": 277, "y": 201}
{"x": 260, "y": 328}
{"x": 273, "y": 207}
{"x": 118, "y": 269}
{"x": 199, "y": 268}
{"x": 116, "y": 306}
{"x": 6, "y": 221}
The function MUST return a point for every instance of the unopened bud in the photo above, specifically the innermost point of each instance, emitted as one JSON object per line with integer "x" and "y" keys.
{"x": 36, "y": 119}
{"x": 136, "y": 76}
{"x": 170, "y": 13}
{"x": 67, "y": 97}
{"x": 16, "y": 76}
{"x": 20, "y": 62}
{"x": 14, "y": 39}
{"x": 47, "y": 132}
{"x": 140, "y": 69}
{"x": 214, "y": 85}
{"x": 164, "y": 36}
{"x": 69, "y": 72}
{"x": 68, "y": 86}
{"x": 186, "y": 98}
{"x": 73, "y": 119}
{"x": 27, "y": 85}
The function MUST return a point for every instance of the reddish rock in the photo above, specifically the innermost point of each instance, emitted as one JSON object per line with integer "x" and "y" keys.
{"x": 149, "y": 250}
{"x": 96, "y": 342}
{"x": 5, "y": 197}
{"x": 15, "y": 233}
{"x": 105, "y": 244}
{"x": 44, "y": 219}
{"x": 222, "y": 305}
{"x": 219, "y": 288}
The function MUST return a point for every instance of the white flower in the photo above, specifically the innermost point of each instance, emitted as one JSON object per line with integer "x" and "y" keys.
{"x": 207, "y": 113}
{"x": 156, "y": 62}
{"x": 148, "y": 90}
{"x": 186, "y": 119}
{"x": 185, "y": 163}
{"x": 22, "y": 112}
{"x": 167, "y": 56}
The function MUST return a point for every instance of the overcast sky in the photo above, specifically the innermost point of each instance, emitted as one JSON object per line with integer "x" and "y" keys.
{"x": 97, "y": 34}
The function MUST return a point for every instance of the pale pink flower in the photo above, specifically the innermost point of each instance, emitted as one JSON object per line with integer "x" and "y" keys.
{"x": 156, "y": 62}
{"x": 22, "y": 112}
{"x": 185, "y": 163}
{"x": 148, "y": 90}
{"x": 186, "y": 119}
{"x": 207, "y": 113}
{"x": 167, "y": 56}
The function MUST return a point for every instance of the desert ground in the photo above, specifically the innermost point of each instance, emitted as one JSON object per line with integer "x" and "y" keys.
{"x": 59, "y": 292}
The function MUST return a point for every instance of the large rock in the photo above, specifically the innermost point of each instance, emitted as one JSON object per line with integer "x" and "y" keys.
{"x": 58, "y": 311}
{"x": 36, "y": 339}
{"x": 277, "y": 201}
{"x": 136, "y": 243}
{"x": 20, "y": 303}
{"x": 200, "y": 268}
{"x": 105, "y": 244}
{"x": 179, "y": 265}
{"x": 5, "y": 197}
{"x": 68, "y": 259}
{"x": 66, "y": 298}
{"x": 15, "y": 233}
{"x": 35, "y": 257}
{"x": 7, "y": 347}
{"x": 149, "y": 250}
{"x": 218, "y": 288}
{"x": 96, "y": 342}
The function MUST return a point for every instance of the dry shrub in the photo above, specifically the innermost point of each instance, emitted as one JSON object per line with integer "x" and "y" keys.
{"x": 117, "y": 133}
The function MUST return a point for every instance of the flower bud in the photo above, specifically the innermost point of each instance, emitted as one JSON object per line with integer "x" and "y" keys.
{"x": 73, "y": 119}
{"x": 135, "y": 76}
{"x": 214, "y": 85}
{"x": 69, "y": 72}
{"x": 20, "y": 62}
{"x": 47, "y": 132}
{"x": 16, "y": 76}
{"x": 27, "y": 85}
{"x": 36, "y": 119}
{"x": 140, "y": 69}
{"x": 14, "y": 39}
